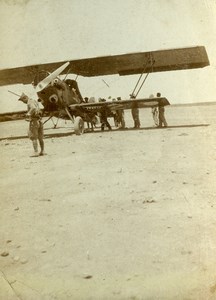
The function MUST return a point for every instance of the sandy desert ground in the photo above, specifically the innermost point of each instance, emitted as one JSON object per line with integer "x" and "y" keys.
{"x": 115, "y": 215}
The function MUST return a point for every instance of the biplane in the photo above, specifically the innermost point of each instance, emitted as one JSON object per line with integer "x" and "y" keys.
{"x": 62, "y": 97}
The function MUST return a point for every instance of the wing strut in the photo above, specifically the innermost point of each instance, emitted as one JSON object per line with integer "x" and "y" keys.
{"x": 151, "y": 61}
{"x": 54, "y": 124}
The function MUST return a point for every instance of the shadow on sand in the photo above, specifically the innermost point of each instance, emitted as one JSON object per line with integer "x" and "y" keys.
{"x": 145, "y": 128}
{"x": 97, "y": 130}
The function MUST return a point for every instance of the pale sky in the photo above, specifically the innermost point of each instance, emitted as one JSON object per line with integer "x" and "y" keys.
{"x": 39, "y": 31}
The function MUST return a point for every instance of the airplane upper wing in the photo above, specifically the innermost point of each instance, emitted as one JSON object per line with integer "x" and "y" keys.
{"x": 124, "y": 64}
{"x": 122, "y": 104}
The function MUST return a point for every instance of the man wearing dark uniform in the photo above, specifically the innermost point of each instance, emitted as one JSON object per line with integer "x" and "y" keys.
{"x": 135, "y": 113}
{"x": 120, "y": 116}
{"x": 161, "y": 111}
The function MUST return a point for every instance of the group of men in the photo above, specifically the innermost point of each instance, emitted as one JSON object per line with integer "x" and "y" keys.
{"x": 157, "y": 112}
{"x": 158, "y": 115}
{"x": 34, "y": 117}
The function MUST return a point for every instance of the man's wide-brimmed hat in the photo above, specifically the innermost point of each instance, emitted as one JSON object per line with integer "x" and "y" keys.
{"x": 23, "y": 97}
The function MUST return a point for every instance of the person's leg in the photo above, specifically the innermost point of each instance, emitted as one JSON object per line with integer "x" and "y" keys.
{"x": 122, "y": 122}
{"x": 160, "y": 120}
{"x": 35, "y": 146}
{"x": 33, "y": 135}
{"x": 135, "y": 123}
{"x": 40, "y": 138}
{"x": 108, "y": 125}
{"x": 164, "y": 121}
{"x": 41, "y": 142}
{"x": 134, "y": 118}
{"x": 137, "y": 118}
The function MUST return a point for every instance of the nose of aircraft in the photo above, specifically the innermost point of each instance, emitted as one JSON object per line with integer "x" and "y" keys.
{"x": 42, "y": 84}
{"x": 53, "y": 98}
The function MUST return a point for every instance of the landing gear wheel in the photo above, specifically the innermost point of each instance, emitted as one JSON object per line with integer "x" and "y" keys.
{"x": 78, "y": 126}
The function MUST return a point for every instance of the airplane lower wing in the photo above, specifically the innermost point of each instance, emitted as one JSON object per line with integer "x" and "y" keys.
{"x": 124, "y": 64}
{"x": 122, "y": 104}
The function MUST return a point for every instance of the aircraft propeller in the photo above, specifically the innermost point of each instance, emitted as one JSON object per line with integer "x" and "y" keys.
{"x": 42, "y": 84}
